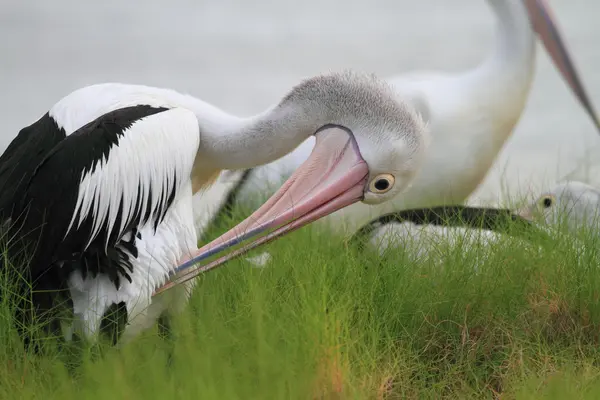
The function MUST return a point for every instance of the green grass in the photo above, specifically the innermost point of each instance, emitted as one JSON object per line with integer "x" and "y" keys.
{"x": 324, "y": 321}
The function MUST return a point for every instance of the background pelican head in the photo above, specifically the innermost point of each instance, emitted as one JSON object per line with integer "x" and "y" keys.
{"x": 574, "y": 203}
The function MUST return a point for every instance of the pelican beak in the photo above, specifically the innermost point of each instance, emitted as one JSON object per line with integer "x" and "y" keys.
{"x": 333, "y": 177}
{"x": 544, "y": 24}
{"x": 525, "y": 213}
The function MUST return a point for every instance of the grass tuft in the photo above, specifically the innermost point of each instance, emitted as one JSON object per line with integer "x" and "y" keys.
{"x": 514, "y": 318}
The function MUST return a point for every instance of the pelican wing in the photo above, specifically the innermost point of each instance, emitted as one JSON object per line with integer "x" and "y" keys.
{"x": 492, "y": 219}
{"x": 100, "y": 183}
{"x": 27, "y": 149}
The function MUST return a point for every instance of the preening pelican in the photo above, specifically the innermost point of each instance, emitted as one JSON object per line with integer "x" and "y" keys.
{"x": 97, "y": 194}
{"x": 470, "y": 115}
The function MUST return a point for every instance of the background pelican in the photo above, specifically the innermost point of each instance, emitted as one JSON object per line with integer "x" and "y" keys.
{"x": 97, "y": 193}
{"x": 471, "y": 115}
{"x": 423, "y": 233}
{"x": 574, "y": 203}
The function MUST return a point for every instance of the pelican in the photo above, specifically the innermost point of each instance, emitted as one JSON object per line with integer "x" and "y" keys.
{"x": 572, "y": 204}
{"x": 575, "y": 203}
{"x": 443, "y": 219}
{"x": 420, "y": 231}
{"x": 97, "y": 194}
{"x": 470, "y": 116}
{"x": 427, "y": 234}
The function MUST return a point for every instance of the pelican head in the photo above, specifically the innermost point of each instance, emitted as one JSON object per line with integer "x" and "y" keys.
{"x": 369, "y": 146}
{"x": 367, "y": 123}
{"x": 544, "y": 24}
{"x": 575, "y": 203}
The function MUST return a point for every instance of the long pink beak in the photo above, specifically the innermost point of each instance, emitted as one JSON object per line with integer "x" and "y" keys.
{"x": 333, "y": 177}
{"x": 544, "y": 24}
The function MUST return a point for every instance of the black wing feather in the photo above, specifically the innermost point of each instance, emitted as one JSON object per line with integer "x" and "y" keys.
{"x": 23, "y": 154}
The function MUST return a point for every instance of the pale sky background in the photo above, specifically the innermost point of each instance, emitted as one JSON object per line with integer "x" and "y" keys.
{"x": 243, "y": 55}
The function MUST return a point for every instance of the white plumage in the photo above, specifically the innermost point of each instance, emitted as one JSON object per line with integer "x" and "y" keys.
{"x": 470, "y": 115}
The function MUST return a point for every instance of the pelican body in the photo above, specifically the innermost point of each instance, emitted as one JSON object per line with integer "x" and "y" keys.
{"x": 470, "y": 116}
{"x": 97, "y": 195}
{"x": 570, "y": 204}
{"x": 216, "y": 202}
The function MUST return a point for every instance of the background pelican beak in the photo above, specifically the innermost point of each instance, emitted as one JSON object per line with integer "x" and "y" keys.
{"x": 333, "y": 177}
{"x": 544, "y": 24}
{"x": 525, "y": 213}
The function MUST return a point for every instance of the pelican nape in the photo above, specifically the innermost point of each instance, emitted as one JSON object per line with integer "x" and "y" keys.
{"x": 470, "y": 115}
{"x": 97, "y": 194}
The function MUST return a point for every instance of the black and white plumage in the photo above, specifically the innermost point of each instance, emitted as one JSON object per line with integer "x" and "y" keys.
{"x": 443, "y": 217}
{"x": 98, "y": 194}
{"x": 95, "y": 206}
{"x": 428, "y": 234}
{"x": 571, "y": 204}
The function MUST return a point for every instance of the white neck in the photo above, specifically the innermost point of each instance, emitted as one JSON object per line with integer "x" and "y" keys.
{"x": 357, "y": 101}
{"x": 239, "y": 143}
{"x": 227, "y": 141}
{"x": 513, "y": 56}
{"x": 231, "y": 142}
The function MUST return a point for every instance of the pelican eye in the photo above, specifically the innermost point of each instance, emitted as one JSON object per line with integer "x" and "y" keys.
{"x": 382, "y": 183}
{"x": 547, "y": 201}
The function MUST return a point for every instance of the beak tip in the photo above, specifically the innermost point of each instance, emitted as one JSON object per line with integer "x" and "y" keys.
{"x": 525, "y": 214}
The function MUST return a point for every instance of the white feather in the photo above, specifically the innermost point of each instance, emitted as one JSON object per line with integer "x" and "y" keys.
{"x": 115, "y": 179}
